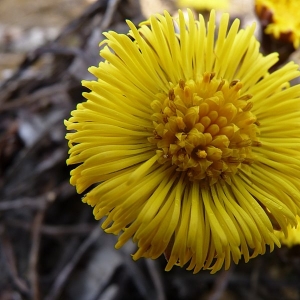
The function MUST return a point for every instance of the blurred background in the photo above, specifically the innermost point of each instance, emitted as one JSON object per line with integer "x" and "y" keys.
{"x": 50, "y": 246}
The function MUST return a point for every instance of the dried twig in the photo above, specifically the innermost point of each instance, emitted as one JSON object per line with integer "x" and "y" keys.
{"x": 34, "y": 253}
{"x": 254, "y": 278}
{"x": 35, "y": 245}
{"x": 111, "y": 9}
{"x": 140, "y": 279}
{"x": 53, "y": 230}
{"x": 60, "y": 281}
{"x": 9, "y": 260}
{"x": 37, "y": 203}
{"x": 156, "y": 278}
{"x": 220, "y": 284}
{"x": 36, "y": 96}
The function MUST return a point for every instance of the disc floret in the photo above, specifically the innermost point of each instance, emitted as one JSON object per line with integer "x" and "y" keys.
{"x": 205, "y": 127}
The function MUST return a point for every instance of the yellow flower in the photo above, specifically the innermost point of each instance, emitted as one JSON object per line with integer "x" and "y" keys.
{"x": 195, "y": 145}
{"x": 293, "y": 237}
{"x": 281, "y": 18}
{"x": 204, "y": 4}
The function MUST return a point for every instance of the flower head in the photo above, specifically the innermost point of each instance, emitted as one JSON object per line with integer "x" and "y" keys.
{"x": 192, "y": 144}
{"x": 204, "y": 4}
{"x": 281, "y": 18}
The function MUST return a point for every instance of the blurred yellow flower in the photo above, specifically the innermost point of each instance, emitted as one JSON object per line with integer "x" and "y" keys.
{"x": 204, "y": 4}
{"x": 281, "y": 18}
{"x": 194, "y": 142}
{"x": 293, "y": 237}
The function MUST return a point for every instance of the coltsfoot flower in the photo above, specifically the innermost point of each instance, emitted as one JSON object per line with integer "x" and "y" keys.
{"x": 281, "y": 19}
{"x": 187, "y": 143}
